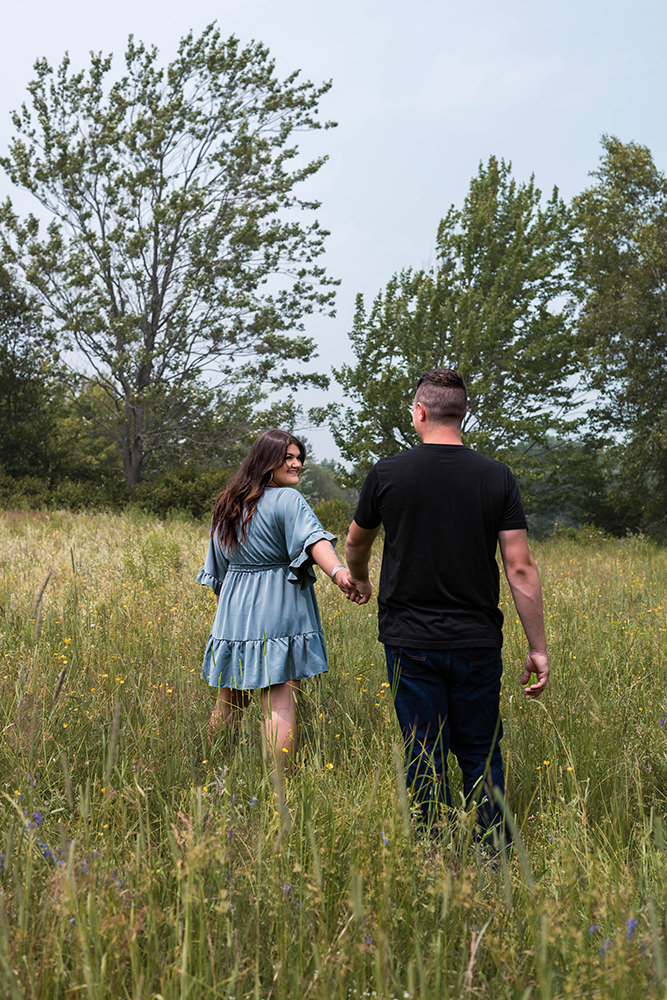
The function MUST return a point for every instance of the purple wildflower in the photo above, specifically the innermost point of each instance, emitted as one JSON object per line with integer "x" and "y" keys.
{"x": 47, "y": 853}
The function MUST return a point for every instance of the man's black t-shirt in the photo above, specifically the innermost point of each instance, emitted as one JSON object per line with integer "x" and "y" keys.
{"x": 442, "y": 507}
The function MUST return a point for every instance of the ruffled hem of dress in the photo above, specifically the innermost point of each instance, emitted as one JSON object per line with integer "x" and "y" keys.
{"x": 300, "y": 571}
{"x": 209, "y": 581}
{"x": 258, "y": 663}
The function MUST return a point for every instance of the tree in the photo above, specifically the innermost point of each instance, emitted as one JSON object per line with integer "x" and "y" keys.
{"x": 319, "y": 482}
{"x": 177, "y": 248}
{"x": 491, "y": 306}
{"x": 27, "y": 386}
{"x": 622, "y": 289}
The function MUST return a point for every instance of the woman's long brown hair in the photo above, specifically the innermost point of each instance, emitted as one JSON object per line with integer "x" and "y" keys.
{"x": 238, "y": 501}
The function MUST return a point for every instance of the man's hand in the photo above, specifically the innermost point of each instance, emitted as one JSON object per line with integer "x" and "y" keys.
{"x": 538, "y": 664}
{"x": 358, "y": 591}
{"x": 362, "y": 591}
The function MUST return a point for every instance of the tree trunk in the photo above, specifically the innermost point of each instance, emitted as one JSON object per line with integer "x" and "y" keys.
{"x": 132, "y": 444}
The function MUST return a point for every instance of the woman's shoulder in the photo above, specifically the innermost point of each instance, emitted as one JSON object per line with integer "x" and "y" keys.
{"x": 285, "y": 498}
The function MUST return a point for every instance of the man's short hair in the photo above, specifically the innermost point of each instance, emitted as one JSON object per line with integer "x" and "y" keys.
{"x": 443, "y": 394}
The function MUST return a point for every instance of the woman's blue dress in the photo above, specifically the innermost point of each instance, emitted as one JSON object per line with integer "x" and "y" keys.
{"x": 267, "y": 629}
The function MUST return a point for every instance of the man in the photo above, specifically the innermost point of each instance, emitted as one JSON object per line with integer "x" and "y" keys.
{"x": 444, "y": 509}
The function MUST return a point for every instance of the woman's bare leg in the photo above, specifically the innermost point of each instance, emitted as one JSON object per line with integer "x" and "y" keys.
{"x": 279, "y": 704}
{"x": 229, "y": 707}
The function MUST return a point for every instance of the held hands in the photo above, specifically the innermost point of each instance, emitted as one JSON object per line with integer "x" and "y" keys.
{"x": 538, "y": 664}
{"x": 358, "y": 591}
{"x": 323, "y": 553}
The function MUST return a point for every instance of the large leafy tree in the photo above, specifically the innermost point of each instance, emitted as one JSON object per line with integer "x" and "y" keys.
{"x": 177, "y": 250}
{"x": 622, "y": 287}
{"x": 491, "y": 306}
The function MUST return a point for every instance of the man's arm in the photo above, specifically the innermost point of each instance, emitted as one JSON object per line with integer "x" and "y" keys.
{"x": 358, "y": 546}
{"x": 524, "y": 580}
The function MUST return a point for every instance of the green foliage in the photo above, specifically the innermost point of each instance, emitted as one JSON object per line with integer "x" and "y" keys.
{"x": 28, "y": 390}
{"x": 177, "y": 245}
{"x": 61, "y": 493}
{"x": 321, "y": 481}
{"x": 570, "y": 482}
{"x": 622, "y": 278}
{"x": 491, "y": 307}
{"x": 186, "y": 490}
{"x": 335, "y": 515}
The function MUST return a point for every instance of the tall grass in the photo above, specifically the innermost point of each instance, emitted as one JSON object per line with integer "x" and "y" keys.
{"x": 141, "y": 860}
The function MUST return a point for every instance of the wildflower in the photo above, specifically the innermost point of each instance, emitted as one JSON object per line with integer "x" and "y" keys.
{"x": 604, "y": 947}
{"x": 219, "y": 779}
{"x": 632, "y": 927}
{"x": 253, "y": 800}
{"x": 47, "y": 853}
{"x": 384, "y": 840}
{"x": 593, "y": 928}
{"x": 330, "y": 766}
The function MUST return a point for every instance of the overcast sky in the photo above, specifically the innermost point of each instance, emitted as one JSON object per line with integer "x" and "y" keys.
{"x": 422, "y": 91}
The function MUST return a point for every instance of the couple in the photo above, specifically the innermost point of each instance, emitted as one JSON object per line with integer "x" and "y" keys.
{"x": 444, "y": 509}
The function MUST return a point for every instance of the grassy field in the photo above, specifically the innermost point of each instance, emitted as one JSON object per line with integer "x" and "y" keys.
{"x": 139, "y": 859}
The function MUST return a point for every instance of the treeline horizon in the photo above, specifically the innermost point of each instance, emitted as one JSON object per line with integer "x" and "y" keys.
{"x": 152, "y": 309}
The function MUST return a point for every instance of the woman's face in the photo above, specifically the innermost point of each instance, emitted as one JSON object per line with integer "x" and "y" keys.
{"x": 287, "y": 474}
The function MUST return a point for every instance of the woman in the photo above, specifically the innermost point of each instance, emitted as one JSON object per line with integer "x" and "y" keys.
{"x": 267, "y": 633}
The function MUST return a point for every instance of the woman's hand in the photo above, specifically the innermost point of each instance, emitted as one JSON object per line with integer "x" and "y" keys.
{"x": 324, "y": 554}
{"x": 351, "y": 587}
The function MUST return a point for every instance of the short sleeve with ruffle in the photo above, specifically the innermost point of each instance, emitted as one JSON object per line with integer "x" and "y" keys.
{"x": 302, "y": 529}
{"x": 215, "y": 567}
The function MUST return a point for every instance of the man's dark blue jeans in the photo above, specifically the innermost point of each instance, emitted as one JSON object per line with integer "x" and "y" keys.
{"x": 449, "y": 699}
